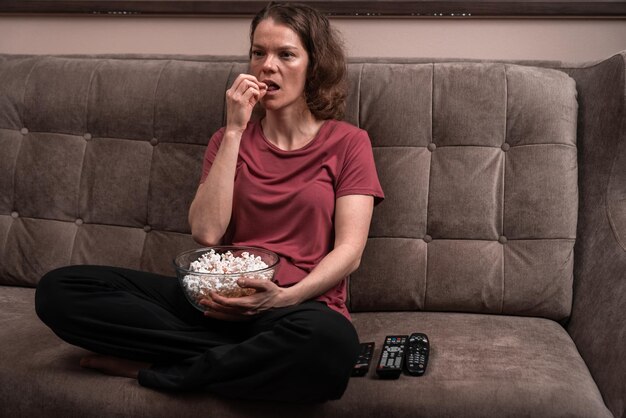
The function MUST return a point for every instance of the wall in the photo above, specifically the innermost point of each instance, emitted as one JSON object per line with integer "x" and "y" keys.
{"x": 569, "y": 40}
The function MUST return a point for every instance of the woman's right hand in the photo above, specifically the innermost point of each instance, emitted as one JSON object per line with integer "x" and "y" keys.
{"x": 241, "y": 98}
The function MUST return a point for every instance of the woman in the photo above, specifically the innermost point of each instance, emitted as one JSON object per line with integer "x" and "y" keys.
{"x": 297, "y": 182}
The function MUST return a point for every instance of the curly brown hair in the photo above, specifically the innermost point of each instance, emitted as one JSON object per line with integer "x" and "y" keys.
{"x": 325, "y": 88}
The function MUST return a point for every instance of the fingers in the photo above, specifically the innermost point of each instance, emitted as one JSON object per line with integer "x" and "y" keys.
{"x": 258, "y": 284}
{"x": 252, "y": 79}
{"x": 241, "y": 306}
{"x": 241, "y": 98}
{"x": 228, "y": 306}
{"x": 246, "y": 86}
{"x": 241, "y": 78}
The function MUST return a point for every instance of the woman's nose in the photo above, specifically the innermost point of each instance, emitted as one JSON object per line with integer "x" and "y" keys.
{"x": 269, "y": 63}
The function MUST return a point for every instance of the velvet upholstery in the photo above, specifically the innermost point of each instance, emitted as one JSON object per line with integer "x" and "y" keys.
{"x": 479, "y": 242}
{"x": 479, "y": 367}
{"x": 122, "y": 155}
{"x": 597, "y": 322}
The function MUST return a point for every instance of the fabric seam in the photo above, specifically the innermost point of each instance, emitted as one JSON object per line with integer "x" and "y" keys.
{"x": 607, "y": 207}
{"x": 504, "y": 157}
{"x": 430, "y": 170}
{"x": 82, "y": 163}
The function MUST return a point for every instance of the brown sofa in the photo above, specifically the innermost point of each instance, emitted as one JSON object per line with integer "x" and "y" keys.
{"x": 503, "y": 234}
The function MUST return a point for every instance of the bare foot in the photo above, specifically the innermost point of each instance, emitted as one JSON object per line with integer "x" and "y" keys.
{"x": 113, "y": 365}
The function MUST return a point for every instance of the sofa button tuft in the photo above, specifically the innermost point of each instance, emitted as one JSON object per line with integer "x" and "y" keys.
{"x": 427, "y": 238}
{"x": 502, "y": 239}
{"x": 431, "y": 147}
{"x": 78, "y": 221}
{"x": 147, "y": 228}
{"x": 154, "y": 141}
{"x": 24, "y": 131}
{"x": 505, "y": 147}
{"x": 87, "y": 136}
{"x": 14, "y": 214}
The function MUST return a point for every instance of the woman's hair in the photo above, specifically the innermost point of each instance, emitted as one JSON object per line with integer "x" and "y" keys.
{"x": 325, "y": 87}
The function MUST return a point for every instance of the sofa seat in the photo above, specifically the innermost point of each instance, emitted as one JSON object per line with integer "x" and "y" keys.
{"x": 480, "y": 365}
{"x": 485, "y": 365}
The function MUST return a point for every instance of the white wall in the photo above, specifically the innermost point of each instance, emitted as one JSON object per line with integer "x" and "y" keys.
{"x": 569, "y": 40}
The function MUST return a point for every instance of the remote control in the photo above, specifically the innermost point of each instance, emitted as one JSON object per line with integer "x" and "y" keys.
{"x": 362, "y": 365}
{"x": 391, "y": 357}
{"x": 417, "y": 351}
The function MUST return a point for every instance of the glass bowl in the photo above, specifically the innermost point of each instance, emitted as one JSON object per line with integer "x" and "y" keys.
{"x": 197, "y": 285}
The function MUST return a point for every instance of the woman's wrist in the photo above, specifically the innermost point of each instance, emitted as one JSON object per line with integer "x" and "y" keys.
{"x": 234, "y": 132}
{"x": 290, "y": 296}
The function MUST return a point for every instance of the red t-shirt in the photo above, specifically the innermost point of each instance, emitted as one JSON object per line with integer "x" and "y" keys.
{"x": 284, "y": 201}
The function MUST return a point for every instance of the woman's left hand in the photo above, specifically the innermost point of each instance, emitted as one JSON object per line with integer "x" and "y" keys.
{"x": 267, "y": 295}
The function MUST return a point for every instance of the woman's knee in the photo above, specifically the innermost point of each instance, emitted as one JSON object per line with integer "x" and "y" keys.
{"x": 51, "y": 295}
{"x": 332, "y": 349}
{"x": 335, "y": 332}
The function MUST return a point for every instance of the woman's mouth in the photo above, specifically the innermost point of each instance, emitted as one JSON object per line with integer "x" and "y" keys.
{"x": 272, "y": 87}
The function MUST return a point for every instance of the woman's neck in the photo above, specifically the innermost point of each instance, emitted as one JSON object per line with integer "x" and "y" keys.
{"x": 290, "y": 131}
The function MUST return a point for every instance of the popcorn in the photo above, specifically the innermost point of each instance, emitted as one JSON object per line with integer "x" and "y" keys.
{"x": 198, "y": 286}
{"x": 226, "y": 263}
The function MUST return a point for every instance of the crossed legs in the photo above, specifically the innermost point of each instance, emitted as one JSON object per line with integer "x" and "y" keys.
{"x": 141, "y": 326}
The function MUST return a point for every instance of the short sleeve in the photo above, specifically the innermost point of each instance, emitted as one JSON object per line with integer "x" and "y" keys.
{"x": 358, "y": 174}
{"x": 210, "y": 153}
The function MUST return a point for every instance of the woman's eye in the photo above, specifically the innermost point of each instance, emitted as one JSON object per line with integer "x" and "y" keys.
{"x": 257, "y": 53}
{"x": 287, "y": 55}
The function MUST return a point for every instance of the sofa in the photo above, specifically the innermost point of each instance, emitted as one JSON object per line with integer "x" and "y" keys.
{"x": 502, "y": 235}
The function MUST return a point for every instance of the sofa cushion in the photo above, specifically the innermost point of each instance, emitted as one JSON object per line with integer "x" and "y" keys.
{"x": 487, "y": 366}
{"x": 477, "y": 160}
{"x": 479, "y": 166}
{"x": 480, "y": 366}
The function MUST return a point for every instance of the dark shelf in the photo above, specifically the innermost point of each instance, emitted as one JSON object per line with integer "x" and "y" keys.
{"x": 356, "y": 9}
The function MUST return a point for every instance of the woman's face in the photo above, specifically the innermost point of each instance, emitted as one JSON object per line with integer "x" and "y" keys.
{"x": 279, "y": 59}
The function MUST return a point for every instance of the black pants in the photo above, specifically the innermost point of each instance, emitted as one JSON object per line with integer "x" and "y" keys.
{"x": 301, "y": 353}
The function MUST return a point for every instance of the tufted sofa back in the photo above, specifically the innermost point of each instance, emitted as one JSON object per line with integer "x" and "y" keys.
{"x": 479, "y": 164}
{"x": 100, "y": 158}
